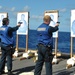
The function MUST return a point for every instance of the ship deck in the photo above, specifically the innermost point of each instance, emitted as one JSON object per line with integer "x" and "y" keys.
{"x": 27, "y": 67}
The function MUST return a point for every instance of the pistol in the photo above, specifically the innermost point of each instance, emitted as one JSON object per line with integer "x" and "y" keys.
{"x": 19, "y": 22}
{"x": 58, "y": 22}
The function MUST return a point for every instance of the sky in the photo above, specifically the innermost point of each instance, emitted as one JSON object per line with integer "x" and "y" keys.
{"x": 36, "y": 9}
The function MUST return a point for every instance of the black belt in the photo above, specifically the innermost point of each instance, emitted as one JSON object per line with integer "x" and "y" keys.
{"x": 40, "y": 44}
{"x": 6, "y": 44}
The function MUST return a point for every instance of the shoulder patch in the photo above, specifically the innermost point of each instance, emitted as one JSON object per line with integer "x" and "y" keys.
{"x": 41, "y": 29}
{"x": 2, "y": 29}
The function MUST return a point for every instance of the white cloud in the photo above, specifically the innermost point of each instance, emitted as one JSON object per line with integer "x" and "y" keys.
{"x": 7, "y": 8}
{"x": 62, "y": 10}
{"x": 0, "y": 7}
{"x": 13, "y": 8}
{"x": 36, "y": 17}
{"x": 26, "y": 8}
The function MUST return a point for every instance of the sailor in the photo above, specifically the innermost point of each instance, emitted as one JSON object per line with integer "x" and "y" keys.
{"x": 6, "y": 36}
{"x": 45, "y": 45}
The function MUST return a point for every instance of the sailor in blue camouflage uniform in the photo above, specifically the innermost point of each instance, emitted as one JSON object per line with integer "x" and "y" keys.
{"x": 45, "y": 45}
{"x": 7, "y": 42}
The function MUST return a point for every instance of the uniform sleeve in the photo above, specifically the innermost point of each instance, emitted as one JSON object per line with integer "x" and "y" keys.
{"x": 53, "y": 29}
{"x": 11, "y": 30}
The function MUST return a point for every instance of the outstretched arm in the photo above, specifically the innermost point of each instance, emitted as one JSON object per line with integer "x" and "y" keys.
{"x": 12, "y": 29}
{"x": 53, "y": 29}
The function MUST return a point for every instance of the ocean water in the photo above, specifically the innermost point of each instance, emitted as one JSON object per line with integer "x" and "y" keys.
{"x": 64, "y": 41}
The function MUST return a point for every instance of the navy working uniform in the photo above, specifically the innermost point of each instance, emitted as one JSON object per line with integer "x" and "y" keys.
{"x": 45, "y": 45}
{"x": 6, "y": 35}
